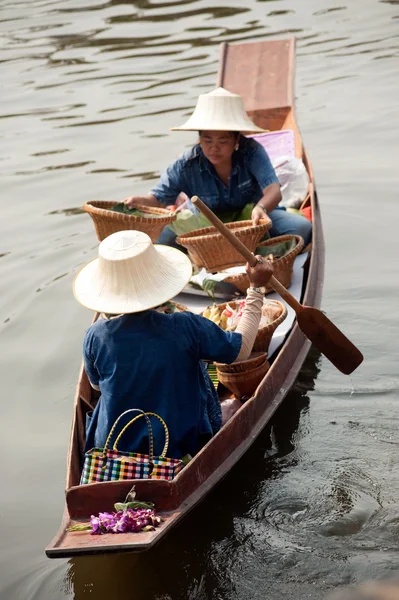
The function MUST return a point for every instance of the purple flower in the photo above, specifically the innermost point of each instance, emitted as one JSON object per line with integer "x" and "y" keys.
{"x": 123, "y": 521}
{"x": 96, "y": 525}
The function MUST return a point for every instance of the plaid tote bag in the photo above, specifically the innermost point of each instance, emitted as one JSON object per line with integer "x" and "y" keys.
{"x": 112, "y": 464}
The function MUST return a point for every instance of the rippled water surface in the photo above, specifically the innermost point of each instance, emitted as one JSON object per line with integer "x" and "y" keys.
{"x": 88, "y": 93}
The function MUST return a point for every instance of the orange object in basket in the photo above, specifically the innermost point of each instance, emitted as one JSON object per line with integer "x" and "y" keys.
{"x": 307, "y": 212}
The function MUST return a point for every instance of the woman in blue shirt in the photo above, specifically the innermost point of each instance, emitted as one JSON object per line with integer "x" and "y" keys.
{"x": 142, "y": 358}
{"x": 225, "y": 169}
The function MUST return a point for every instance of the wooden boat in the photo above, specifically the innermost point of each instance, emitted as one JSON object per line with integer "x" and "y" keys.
{"x": 262, "y": 73}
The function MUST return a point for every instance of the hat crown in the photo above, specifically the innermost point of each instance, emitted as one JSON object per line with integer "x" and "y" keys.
{"x": 131, "y": 274}
{"x": 219, "y": 110}
{"x": 123, "y": 245}
{"x": 221, "y": 92}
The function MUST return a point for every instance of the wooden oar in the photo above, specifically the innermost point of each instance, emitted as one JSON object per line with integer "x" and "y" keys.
{"x": 314, "y": 324}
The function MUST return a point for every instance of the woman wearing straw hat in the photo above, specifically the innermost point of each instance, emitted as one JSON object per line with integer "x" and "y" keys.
{"x": 229, "y": 172}
{"x": 142, "y": 358}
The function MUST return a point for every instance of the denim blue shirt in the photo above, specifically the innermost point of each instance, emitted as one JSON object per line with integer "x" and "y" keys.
{"x": 152, "y": 361}
{"x": 194, "y": 174}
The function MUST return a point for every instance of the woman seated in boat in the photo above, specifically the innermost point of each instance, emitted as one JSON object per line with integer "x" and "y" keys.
{"x": 138, "y": 357}
{"x": 231, "y": 173}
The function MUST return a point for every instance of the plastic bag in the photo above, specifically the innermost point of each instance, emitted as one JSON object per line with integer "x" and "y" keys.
{"x": 294, "y": 180}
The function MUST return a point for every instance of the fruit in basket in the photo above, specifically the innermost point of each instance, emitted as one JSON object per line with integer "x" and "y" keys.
{"x": 227, "y": 316}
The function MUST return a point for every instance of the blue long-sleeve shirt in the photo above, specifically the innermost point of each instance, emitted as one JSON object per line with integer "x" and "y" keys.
{"x": 194, "y": 174}
{"x": 153, "y": 362}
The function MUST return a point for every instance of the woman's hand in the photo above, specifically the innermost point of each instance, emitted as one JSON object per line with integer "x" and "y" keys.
{"x": 260, "y": 274}
{"x": 132, "y": 201}
{"x": 258, "y": 213}
{"x": 148, "y": 200}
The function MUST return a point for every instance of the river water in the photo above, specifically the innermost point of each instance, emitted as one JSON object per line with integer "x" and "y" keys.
{"x": 89, "y": 91}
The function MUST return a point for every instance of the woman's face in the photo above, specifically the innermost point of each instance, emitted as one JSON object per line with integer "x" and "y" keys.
{"x": 218, "y": 146}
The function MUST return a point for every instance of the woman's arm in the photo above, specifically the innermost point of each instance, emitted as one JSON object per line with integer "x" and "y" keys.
{"x": 165, "y": 191}
{"x": 211, "y": 342}
{"x": 259, "y": 276}
{"x": 270, "y": 199}
{"x": 249, "y": 323}
{"x": 148, "y": 200}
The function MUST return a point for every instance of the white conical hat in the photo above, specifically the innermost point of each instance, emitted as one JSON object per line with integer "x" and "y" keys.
{"x": 219, "y": 110}
{"x": 131, "y": 274}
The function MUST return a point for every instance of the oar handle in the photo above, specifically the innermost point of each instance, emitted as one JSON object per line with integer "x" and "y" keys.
{"x": 243, "y": 250}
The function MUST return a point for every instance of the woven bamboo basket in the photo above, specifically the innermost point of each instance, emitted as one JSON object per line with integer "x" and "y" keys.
{"x": 208, "y": 248}
{"x": 243, "y": 383}
{"x": 283, "y": 267}
{"x": 255, "y": 360}
{"x": 106, "y": 221}
{"x": 265, "y": 333}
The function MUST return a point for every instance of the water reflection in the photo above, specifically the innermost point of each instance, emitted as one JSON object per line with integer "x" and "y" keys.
{"x": 219, "y": 12}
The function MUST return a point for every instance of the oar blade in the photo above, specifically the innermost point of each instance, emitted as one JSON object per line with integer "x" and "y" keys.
{"x": 329, "y": 340}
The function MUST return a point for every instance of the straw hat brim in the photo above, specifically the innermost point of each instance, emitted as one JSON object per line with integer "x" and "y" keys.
{"x": 93, "y": 290}
{"x": 213, "y": 127}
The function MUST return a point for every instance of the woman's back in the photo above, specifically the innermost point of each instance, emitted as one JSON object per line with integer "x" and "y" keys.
{"x": 151, "y": 361}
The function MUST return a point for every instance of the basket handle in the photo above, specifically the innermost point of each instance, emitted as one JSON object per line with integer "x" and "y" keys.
{"x": 150, "y": 434}
{"x": 146, "y": 415}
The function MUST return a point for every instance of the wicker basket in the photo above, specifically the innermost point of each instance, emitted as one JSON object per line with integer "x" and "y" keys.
{"x": 106, "y": 221}
{"x": 283, "y": 267}
{"x": 243, "y": 383}
{"x": 265, "y": 334}
{"x": 208, "y": 248}
{"x": 255, "y": 359}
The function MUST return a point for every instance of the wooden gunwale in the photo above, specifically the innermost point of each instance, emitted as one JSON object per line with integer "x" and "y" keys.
{"x": 238, "y": 67}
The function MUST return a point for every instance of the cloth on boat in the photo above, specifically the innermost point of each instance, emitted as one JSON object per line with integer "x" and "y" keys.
{"x": 307, "y": 212}
{"x": 154, "y": 362}
{"x": 294, "y": 180}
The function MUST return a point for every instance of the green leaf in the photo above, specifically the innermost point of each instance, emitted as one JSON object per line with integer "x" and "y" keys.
{"x": 136, "y": 504}
{"x": 278, "y": 250}
{"x": 80, "y": 527}
{"x": 186, "y": 459}
{"x": 122, "y": 208}
{"x": 209, "y": 285}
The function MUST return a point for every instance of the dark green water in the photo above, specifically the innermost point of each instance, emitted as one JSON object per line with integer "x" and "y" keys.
{"x": 89, "y": 91}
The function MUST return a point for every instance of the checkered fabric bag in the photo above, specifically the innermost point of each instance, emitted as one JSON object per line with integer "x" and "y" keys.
{"x": 111, "y": 464}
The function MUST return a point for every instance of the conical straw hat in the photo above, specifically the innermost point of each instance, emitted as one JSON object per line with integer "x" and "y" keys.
{"x": 219, "y": 110}
{"x": 131, "y": 274}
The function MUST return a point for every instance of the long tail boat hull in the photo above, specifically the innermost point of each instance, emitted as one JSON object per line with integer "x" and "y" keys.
{"x": 263, "y": 74}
